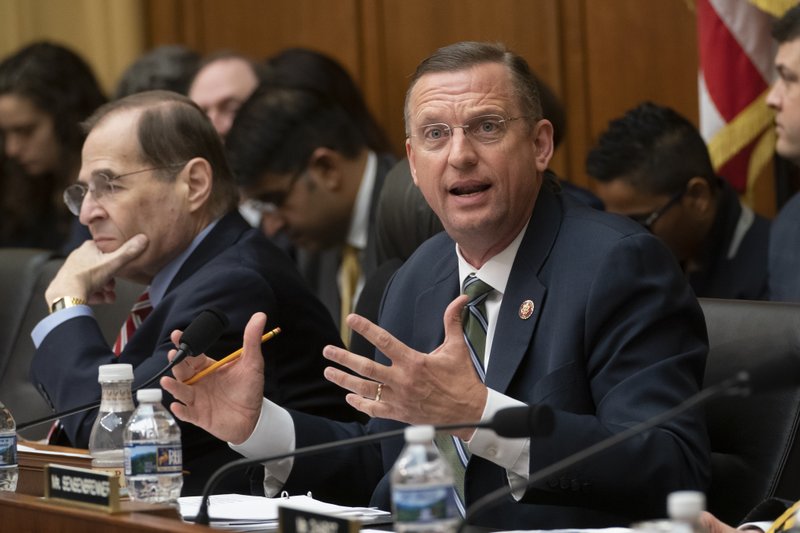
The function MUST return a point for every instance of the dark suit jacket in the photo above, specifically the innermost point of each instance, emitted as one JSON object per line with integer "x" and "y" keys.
{"x": 236, "y": 270}
{"x": 744, "y": 275}
{"x": 616, "y": 338}
{"x": 321, "y": 268}
{"x": 784, "y": 253}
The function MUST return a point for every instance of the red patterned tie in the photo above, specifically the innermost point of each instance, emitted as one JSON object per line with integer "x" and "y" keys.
{"x": 138, "y": 313}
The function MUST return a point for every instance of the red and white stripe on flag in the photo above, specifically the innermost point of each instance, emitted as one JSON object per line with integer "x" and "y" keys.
{"x": 736, "y": 54}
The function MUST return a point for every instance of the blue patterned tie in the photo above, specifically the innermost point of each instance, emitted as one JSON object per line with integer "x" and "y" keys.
{"x": 475, "y": 325}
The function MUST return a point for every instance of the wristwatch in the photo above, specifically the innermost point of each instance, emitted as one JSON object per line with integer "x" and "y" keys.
{"x": 64, "y": 302}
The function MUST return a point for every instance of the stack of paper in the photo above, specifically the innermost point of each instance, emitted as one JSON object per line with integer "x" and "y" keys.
{"x": 245, "y": 513}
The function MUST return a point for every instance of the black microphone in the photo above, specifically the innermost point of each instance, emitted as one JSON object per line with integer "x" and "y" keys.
{"x": 781, "y": 371}
{"x": 511, "y": 422}
{"x": 198, "y": 337}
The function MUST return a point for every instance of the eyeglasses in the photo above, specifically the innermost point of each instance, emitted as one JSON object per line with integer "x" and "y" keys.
{"x": 648, "y": 219}
{"x": 485, "y": 129}
{"x": 274, "y": 199}
{"x": 101, "y": 185}
{"x": 258, "y": 206}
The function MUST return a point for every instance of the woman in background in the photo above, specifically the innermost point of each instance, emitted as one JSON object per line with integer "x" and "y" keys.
{"x": 46, "y": 90}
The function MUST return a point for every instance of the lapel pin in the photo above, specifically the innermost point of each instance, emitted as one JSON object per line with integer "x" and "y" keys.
{"x": 526, "y": 309}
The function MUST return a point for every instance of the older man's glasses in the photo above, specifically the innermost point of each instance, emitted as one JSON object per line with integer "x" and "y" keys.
{"x": 101, "y": 185}
{"x": 485, "y": 129}
{"x": 648, "y": 219}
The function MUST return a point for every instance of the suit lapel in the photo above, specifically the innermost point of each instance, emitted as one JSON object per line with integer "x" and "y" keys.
{"x": 514, "y": 333}
{"x": 228, "y": 230}
{"x": 431, "y": 303}
{"x": 369, "y": 259}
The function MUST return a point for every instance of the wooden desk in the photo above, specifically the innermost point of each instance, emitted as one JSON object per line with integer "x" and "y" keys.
{"x": 31, "y": 465}
{"x": 24, "y": 513}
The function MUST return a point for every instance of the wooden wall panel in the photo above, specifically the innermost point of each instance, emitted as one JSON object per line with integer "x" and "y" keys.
{"x": 415, "y": 28}
{"x": 600, "y": 56}
{"x": 638, "y": 51}
{"x": 259, "y": 28}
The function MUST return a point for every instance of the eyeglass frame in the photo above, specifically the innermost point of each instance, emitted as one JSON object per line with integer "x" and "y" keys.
{"x": 271, "y": 201}
{"x": 647, "y": 220}
{"x": 466, "y": 129}
{"x": 109, "y": 180}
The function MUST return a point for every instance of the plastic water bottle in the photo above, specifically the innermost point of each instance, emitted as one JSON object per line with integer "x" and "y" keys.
{"x": 116, "y": 406}
{"x": 684, "y": 508}
{"x": 9, "y": 471}
{"x": 423, "y": 496}
{"x": 153, "y": 456}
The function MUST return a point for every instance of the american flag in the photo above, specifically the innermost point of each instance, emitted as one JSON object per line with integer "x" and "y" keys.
{"x": 736, "y": 69}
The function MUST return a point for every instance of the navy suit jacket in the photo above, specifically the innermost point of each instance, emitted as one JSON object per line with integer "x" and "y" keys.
{"x": 616, "y": 337}
{"x": 784, "y": 253}
{"x": 733, "y": 262}
{"x": 237, "y": 270}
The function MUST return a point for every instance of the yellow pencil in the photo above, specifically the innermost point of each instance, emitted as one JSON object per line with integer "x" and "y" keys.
{"x": 232, "y": 357}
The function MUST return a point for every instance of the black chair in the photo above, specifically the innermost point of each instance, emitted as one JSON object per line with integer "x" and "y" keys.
{"x": 755, "y": 450}
{"x": 24, "y": 277}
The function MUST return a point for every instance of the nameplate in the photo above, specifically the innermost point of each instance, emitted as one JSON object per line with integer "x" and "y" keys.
{"x": 292, "y": 520}
{"x": 81, "y": 487}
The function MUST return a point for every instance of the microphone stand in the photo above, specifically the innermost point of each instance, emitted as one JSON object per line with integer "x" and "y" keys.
{"x": 201, "y": 333}
{"x": 738, "y": 385}
{"x": 96, "y": 403}
{"x": 203, "y": 514}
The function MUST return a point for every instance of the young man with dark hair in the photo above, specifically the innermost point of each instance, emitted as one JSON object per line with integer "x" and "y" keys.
{"x": 300, "y": 152}
{"x": 653, "y": 166}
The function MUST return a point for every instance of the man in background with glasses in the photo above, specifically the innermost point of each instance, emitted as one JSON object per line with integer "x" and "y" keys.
{"x": 157, "y": 195}
{"x": 562, "y": 305}
{"x": 301, "y": 153}
{"x": 653, "y": 166}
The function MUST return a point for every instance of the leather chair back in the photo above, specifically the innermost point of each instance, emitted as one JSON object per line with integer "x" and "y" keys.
{"x": 755, "y": 450}
{"x": 24, "y": 277}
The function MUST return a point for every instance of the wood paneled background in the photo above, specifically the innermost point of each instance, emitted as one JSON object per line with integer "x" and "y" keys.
{"x": 601, "y": 57}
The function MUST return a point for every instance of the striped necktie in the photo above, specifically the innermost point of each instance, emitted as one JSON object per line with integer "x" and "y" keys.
{"x": 141, "y": 308}
{"x": 475, "y": 325}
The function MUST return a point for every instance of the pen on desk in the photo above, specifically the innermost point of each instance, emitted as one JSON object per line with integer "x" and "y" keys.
{"x": 232, "y": 357}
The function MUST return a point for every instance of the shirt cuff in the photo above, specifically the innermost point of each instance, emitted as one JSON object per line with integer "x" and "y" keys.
{"x": 511, "y": 454}
{"x": 53, "y": 320}
{"x": 763, "y": 526}
{"x": 485, "y": 442}
{"x": 273, "y": 435}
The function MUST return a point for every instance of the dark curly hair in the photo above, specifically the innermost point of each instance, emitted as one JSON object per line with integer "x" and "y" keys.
{"x": 653, "y": 148}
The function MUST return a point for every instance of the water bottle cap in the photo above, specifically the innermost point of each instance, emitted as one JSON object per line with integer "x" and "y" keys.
{"x": 685, "y": 504}
{"x": 148, "y": 395}
{"x": 115, "y": 372}
{"x": 419, "y": 434}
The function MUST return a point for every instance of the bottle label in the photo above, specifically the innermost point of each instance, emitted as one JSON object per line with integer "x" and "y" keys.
{"x": 8, "y": 450}
{"x": 116, "y": 398}
{"x": 424, "y": 503}
{"x": 143, "y": 459}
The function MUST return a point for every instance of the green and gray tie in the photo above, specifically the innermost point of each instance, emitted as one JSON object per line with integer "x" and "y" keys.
{"x": 475, "y": 325}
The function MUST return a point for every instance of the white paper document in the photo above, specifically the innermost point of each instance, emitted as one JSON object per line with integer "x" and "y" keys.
{"x": 241, "y": 511}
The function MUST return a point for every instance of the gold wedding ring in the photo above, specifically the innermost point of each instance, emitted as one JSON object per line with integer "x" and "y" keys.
{"x": 379, "y": 392}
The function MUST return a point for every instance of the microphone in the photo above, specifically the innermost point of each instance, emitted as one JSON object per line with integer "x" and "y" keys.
{"x": 781, "y": 371}
{"x": 511, "y": 422}
{"x": 198, "y": 337}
